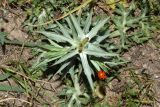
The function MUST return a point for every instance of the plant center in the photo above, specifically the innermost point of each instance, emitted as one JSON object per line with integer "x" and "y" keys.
{"x": 82, "y": 44}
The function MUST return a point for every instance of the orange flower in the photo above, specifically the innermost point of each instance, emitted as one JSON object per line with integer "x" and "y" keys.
{"x": 102, "y": 75}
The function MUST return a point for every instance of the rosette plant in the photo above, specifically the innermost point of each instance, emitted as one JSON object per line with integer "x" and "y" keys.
{"x": 125, "y": 21}
{"x": 77, "y": 43}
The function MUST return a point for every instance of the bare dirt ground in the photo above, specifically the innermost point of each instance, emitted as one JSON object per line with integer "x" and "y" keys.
{"x": 145, "y": 63}
{"x": 143, "y": 59}
{"x": 146, "y": 59}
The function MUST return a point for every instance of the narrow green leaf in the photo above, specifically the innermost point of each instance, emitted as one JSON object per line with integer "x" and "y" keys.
{"x": 88, "y": 23}
{"x": 56, "y": 37}
{"x": 56, "y": 53}
{"x": 102, "y": 38}
{"x": 64, "y": 31}
{"x": 95, "y": 65}
{"x": 2, "y": 37}
{"x": 11, "y": 88}
{"x": 114, "y": 34}
{"x": 66, "y": 57}
{"x": 115, "y": 63}
{"x": 44, "y": 62}
{"x": 87, "y": 69}
{"x": 95, "y": 47}
{"x": 95, "y": 29}
{"x": 119, "y": 12}
{"x": 74, "y": 33}
{"x": 78, "y": 28}
{"x": 62, "y": 67}
{"x": 42, "y": 16}
{"x": 133, "y": 20}
{"x": 4, "y": 76}
{"x": 99, "y": 54}
{"x": 54, "y": 44}
{"x": 52, "y": 48}
{"x": 72, "y": 72}
{"x": 76, "y": 84}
